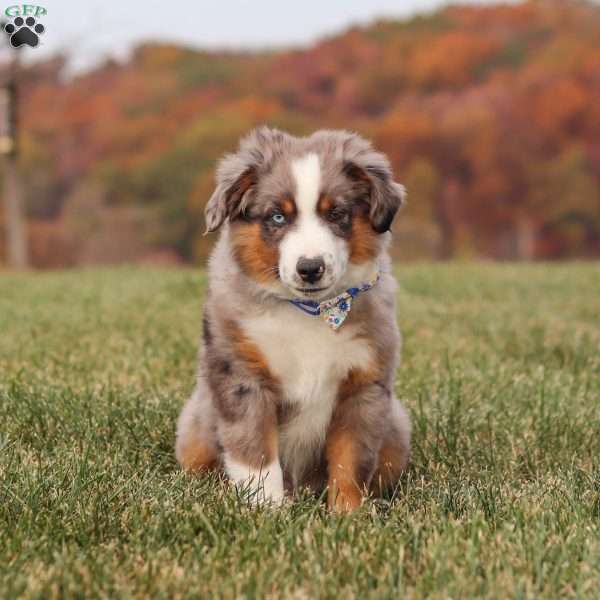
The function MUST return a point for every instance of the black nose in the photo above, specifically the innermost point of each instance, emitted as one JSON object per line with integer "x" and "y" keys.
{"x": 310, "y": 269}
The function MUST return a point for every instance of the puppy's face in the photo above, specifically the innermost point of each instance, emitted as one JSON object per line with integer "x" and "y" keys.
{"x": 306, "y": 215}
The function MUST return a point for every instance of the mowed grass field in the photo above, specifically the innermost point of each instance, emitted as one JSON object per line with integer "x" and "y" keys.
{"x": 500, "y": 373}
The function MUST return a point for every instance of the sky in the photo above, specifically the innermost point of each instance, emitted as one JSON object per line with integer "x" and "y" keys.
{"x": 91, "y": 30}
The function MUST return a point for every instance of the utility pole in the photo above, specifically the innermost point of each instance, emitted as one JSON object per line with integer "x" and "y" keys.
{"x": 16, "y": 235}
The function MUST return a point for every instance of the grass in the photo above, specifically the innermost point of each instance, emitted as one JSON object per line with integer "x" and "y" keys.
{"x": 501, "y": 375}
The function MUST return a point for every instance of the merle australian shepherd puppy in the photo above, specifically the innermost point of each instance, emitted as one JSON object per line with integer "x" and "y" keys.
{"x": 296, "y": 378}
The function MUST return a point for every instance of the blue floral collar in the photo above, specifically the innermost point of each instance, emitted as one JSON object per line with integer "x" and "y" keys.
{"x": 335, "y": 310}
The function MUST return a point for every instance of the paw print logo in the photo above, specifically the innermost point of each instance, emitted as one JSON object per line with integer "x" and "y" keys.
{"x": 24, "y": 31}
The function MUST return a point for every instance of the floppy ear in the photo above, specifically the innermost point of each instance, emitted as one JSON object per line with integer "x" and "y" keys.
{"x": 239, "y": 173}
{"x": 372, "y": 169}
{"x": 226, "y": 201}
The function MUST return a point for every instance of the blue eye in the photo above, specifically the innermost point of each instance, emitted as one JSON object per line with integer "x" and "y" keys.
{"x": 278, "y": 219}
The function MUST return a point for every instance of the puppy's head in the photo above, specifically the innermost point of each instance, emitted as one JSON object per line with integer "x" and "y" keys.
{"x": 306, "y": 215}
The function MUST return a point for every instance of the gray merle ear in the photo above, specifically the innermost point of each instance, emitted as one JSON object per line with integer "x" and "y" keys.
{"x": 238, "y": 175}
{"x": 371, "y": 169}
{"x": 226, "y": 201}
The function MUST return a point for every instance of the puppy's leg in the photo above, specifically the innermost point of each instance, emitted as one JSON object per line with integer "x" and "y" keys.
{"x": 246, "y": 396}
{"x": 354, "y": 441}
{"x": 196, "y": 445}
{"x": 250, "y": 442}
{"x": 395, "y": 451}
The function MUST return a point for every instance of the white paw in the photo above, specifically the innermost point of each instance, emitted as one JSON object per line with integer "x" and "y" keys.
{"x": 263, "y": 486}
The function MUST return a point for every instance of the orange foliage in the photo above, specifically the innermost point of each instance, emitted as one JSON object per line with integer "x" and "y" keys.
{"x": 485, "y": 110}
{"x": 449, "y": 59}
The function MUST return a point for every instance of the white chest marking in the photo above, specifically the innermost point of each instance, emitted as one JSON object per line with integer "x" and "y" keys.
{"x": 310, "y": 360}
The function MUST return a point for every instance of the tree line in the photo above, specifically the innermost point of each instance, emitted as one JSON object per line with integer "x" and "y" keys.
{"x": 489, "y": 114}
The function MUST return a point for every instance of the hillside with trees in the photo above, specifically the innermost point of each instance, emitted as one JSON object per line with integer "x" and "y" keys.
{"x": 490, "y": 116}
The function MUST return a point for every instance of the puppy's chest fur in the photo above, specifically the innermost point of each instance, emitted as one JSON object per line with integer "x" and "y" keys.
{"x": 310, "y": 361}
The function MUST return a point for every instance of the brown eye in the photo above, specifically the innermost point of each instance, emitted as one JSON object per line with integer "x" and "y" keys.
{"x": 336, "y": 215}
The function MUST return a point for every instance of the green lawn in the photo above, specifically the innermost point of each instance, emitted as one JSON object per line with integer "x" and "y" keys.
{"x": 501, "y": 374}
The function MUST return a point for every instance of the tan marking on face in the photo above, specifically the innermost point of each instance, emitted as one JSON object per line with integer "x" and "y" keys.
{"x": 196, "y": 456}
{"x": 324, "y": 205}
{"x": 343, "y": 494}
{"x": 256, "y": 258}
{"x": 288, "y": 206}
{"x": 365, "y": 243}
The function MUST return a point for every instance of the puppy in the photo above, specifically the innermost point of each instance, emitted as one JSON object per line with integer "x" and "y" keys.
{"x": 300, "y": 342}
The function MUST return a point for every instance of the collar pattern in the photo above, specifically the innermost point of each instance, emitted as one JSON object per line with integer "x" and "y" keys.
{"x": 335, "y": 310}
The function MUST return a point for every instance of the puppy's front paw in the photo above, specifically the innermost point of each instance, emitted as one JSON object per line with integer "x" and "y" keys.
{"x": 343, "y": 498}
{"x": 262, "y": 486}
{"x": 270, "y": 492}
